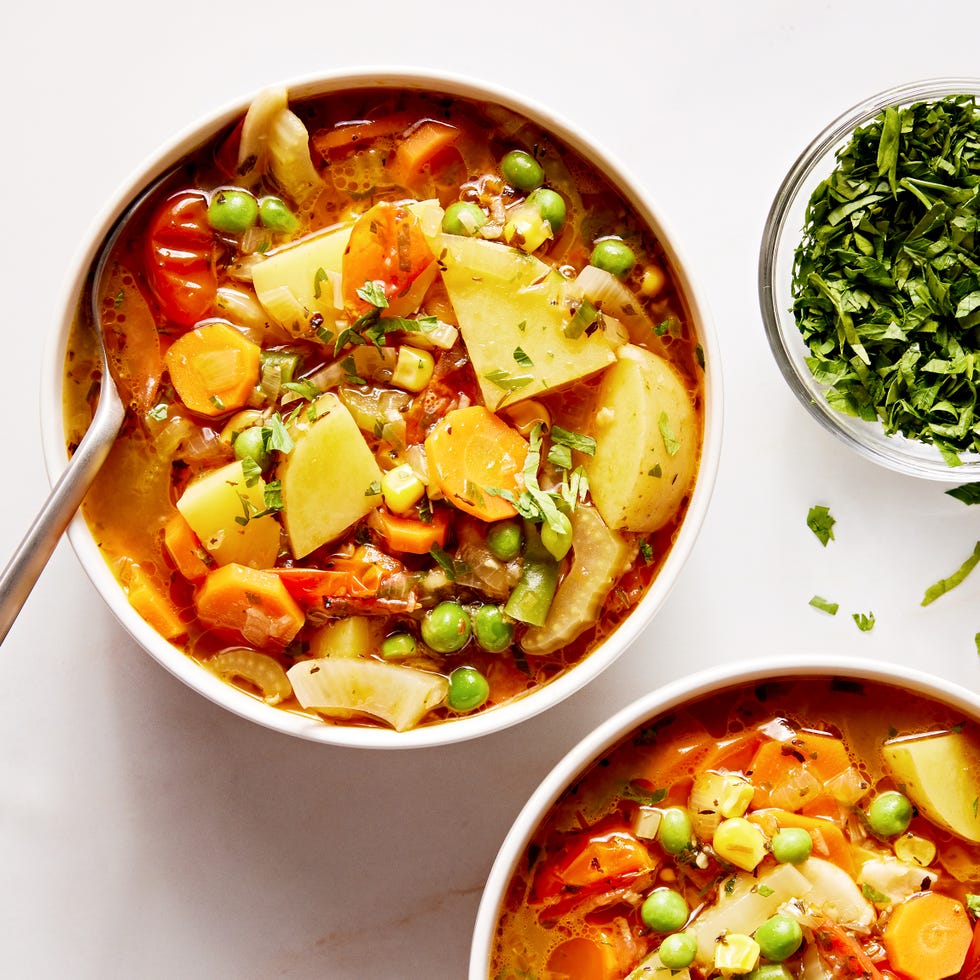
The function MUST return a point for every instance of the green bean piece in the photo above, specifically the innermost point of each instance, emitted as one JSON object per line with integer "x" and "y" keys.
{"x": 535, "y": 589}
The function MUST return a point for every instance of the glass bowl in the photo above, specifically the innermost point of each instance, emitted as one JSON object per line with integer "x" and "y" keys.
{"x": 237, "y": 700}
{"x": 782, "y": 235}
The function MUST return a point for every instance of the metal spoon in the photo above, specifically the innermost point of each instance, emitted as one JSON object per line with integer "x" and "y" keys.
{"x": 28, "y": 561}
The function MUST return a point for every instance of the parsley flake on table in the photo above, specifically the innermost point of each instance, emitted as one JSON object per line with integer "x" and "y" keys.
{"x": 945, "y": 584}
{"x": 865, "y": 621}
{"x": 968, "y": 493}
{"x": 821, "y": 522}
{"x": 886, "y": 285}
{"x": 825, "y": 605}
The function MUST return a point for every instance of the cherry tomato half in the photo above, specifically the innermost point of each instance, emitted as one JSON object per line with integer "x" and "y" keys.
{"x": 179, "y": 258}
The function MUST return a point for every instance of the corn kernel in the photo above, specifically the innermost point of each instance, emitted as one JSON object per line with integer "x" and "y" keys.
{"x": 413, "y": 369}
{"x": 740, "y": 842}
{"x": 401, "y": 488}
{"x": 653, "y": 280}
{"x": 915, "y": 850}
{"x": 736, "y": 953}
{"x": 525, "y": 415}
{"x": 735, "y": 795}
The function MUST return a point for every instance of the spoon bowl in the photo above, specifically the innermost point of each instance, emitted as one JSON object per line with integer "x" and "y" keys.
{"x": 24, "y": 568}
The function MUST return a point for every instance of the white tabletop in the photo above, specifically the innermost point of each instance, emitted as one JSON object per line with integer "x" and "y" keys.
{"x": 144, "y": 832}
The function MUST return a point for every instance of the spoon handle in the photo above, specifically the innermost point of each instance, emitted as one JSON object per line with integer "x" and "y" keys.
{"x": 23, "y": 570}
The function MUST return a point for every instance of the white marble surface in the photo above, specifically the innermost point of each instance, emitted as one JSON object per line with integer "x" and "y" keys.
{"x": 144, "y": 832}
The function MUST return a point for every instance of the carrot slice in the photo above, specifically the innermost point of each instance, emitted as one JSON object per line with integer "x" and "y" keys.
{"x": 472, "y": 451}
{"x": 251, "y": 603}
{"x": 155, "y": 607}
{"x": 213, "y": 368}
{"x": 346, "y": 137}
{"x": 928, "y": 936}
{"x": 586, "y": 958}
{"x": 407, "y": 535}
{"x": 185, "y": 549}
{"x": 796, "y": 770}
{"x": 419, "y": 148}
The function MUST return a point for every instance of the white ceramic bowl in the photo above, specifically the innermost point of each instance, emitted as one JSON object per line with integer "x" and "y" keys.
{"x": 645, "y": 710}
{"x": 782, "y": 235}
{"x": 241, "y": 703}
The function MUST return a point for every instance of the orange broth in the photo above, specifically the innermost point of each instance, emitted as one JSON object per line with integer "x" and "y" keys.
{"x": 174, "y": 274}
{"x": 812, "y": 754}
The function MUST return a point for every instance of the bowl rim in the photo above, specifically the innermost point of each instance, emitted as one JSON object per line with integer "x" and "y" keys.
{"x": 238, "y": 702}
{"x": 604, "y": 736}
{"x": 834, "y": 134}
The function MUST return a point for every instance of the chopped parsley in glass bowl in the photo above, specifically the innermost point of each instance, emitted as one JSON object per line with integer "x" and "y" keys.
{"x": 869, "y": 278}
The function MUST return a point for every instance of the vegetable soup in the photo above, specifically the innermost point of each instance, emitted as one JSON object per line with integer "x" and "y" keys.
{"x": 816, "y": 828}
{"x": 415, "y": 406}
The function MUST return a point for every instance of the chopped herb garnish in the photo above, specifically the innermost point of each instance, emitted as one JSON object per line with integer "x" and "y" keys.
{"x": 278, "y": 437}
{"x": 646, "y": 552}
{"x": 820, "y": 521}
{"x": 349, "y": 367}
{"x": 252, "y": 471}
{"x": 638, "y": 793}
{"x": 159, "y": 412}
{"x": 865, "y": 621}
{"x": 217, "y": 402}
{"x": 671, "y": 443}
{"x": 873, "y": 895}
{"x": 560, "y": 456}
{"x": 944, "y": 585}
{"x": 373, "y": 292}
{"x": 886, "y": 285}
{"x": 305, "y": 389}
{"x": 765, "y": 891}
{"x": 507, "y": 381}
{"x": 374, "y": 488}
{"x": 973, "y": 904}
{"x": 968, "y": 493}
{"x": 818, "y": 602}
{"x": 522, "y": 358}
{"x": 320, "y": 276}
{"x": 272, "y": 496}
{"x": 574, "y": 440}
{"x": 656, "y": 471}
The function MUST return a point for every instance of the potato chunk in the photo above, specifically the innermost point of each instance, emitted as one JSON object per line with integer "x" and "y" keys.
{"x": 330, "y": 479}
{"x": 940, "y": 774}
{"x": 646, "y": 432}
{"x": 220, "y": 508}
{"x": 513, "y": 322}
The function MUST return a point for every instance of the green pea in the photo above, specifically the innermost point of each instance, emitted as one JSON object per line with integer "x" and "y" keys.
{"x": 504, "y": 539}
{"x": 232, "y": 211}
{"x": 398, "y": 646}
{"x": 890, "y": 814}
{"x": 493, "y": 628}
{"x": 613, "y": 255}
{"x": 250, "y": 444}
{"x": 558, "y": 543}
{"x": 521, "y": 170}
{"x": 463, "y": 218}
{"x": 664, "y": 910}
{"x": 551, "y": 205}
{"x": 275, "y": 215}
{"x": 468, "y": 689}
{"x": 675, "y": 833}
{"x": 792, "y": 845}
{"x": 769, "y": 971}
{"x": 678, "y": 950}
{"x": 779, "y": 937}
{"x": 447, "y": 627}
